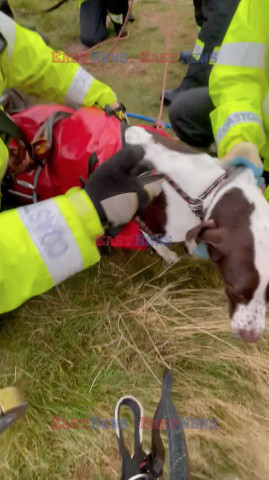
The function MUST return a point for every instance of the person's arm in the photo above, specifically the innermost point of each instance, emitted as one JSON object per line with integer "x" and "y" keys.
{"x": 43, "y": 244}
{"x": 31, "y": 66}
{"x": 238, "y": 82}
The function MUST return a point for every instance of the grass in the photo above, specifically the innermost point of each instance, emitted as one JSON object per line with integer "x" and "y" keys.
{"x": 112, "y": 330}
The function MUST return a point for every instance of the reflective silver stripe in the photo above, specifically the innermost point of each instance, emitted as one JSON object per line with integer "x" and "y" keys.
{"x": 214, "y": 57}
{"x": 205, "y": 58}
{"x": 8, "y": 30}
{"x": 197, "y": 51}
{"x": 53, "y": 239}
{"x": 237, "y": 118}
{"x": 116, "y": 18}
{"x": 78, "y": 88}
{"x": 265, "y": 105}
{"x": 243, "y": 54}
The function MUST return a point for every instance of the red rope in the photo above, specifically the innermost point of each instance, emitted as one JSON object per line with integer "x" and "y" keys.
{"x": 159, "y": 123}
{"x": 131, "y": 2}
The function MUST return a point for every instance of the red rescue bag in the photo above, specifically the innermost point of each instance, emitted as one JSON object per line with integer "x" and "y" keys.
{"x": 87, "y": 136}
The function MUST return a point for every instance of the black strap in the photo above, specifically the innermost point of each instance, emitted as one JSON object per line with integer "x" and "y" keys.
{"x": 150, "y": 466}
{"x": 10, "y": 129}
{"x": 59, "y": 4}
{"x": 178, "y": 457}
{"x": 45, "y": 131}
{"x": 131, "y": 466}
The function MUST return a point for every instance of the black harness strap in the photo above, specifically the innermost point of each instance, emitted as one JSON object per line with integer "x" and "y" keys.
{"x": 130, "y": 465}
{"x": 150, "y": 466}
{"x": 10, "y": 129}
{"x": 55, "y": 7}
{"x": 178, "y": 457}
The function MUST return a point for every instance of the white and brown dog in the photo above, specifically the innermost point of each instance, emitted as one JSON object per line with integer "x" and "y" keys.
{"x": 235, "y": 226}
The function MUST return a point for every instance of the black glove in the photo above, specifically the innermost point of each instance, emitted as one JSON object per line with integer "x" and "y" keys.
{"x": 117, "y": 194}
{"x": 118, "y": 112}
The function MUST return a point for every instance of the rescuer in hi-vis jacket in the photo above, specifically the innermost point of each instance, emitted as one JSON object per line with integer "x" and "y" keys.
{"x": 43, "y": 244}
{"x": 213, "y": 18}
{"x": 234, "y": 110}
{"x": 93, "y": 15}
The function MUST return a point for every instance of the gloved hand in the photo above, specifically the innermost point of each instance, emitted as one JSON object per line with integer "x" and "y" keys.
{"x": 245, "y": 150}
{"x": 116, "y": 193}
{"x": 117, "y": 109}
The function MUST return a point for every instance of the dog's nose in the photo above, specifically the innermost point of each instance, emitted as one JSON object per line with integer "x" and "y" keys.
{"x": 249, "y": 335}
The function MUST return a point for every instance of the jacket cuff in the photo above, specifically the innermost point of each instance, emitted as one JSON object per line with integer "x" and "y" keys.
{"x": 236, "y": 124}
{"x": 99, "y": 93}
{"x": 85, "y": 211}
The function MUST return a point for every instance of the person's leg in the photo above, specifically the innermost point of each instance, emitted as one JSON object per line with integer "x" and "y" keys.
{"x": 92, "y": 18}
{"x": 117, "y": 10}
{"x": 189, "y": 116}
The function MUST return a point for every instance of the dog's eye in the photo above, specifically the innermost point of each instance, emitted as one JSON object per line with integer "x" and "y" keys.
{"x": 241, "y": 297}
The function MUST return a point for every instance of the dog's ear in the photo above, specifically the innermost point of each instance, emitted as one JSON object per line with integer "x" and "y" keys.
{"x": 196, "y": 232}
{"x": 212, "y": 235}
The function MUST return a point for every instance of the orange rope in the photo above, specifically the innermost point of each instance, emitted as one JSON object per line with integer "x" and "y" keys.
{"x": 123, "y": 26}
{"x": 159, "y": 123}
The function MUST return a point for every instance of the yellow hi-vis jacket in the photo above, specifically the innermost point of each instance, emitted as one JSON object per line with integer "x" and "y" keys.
{"x": 43, "y": 244}
{"x": 238, "y": 84}
{"x": 198, "y": 52}
{"x": 28, "y": 64}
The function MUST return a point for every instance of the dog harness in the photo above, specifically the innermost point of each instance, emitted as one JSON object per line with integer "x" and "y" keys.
{"x": 196, "y": 203}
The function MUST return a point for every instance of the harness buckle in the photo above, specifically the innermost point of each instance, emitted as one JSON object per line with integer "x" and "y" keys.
{"x": 198, "y": 209}
{"x": 147, "y": 467}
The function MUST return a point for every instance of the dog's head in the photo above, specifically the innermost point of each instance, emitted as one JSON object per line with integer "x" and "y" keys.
{"x": 236, "y": 230}
{"x": 237, "y": 237}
